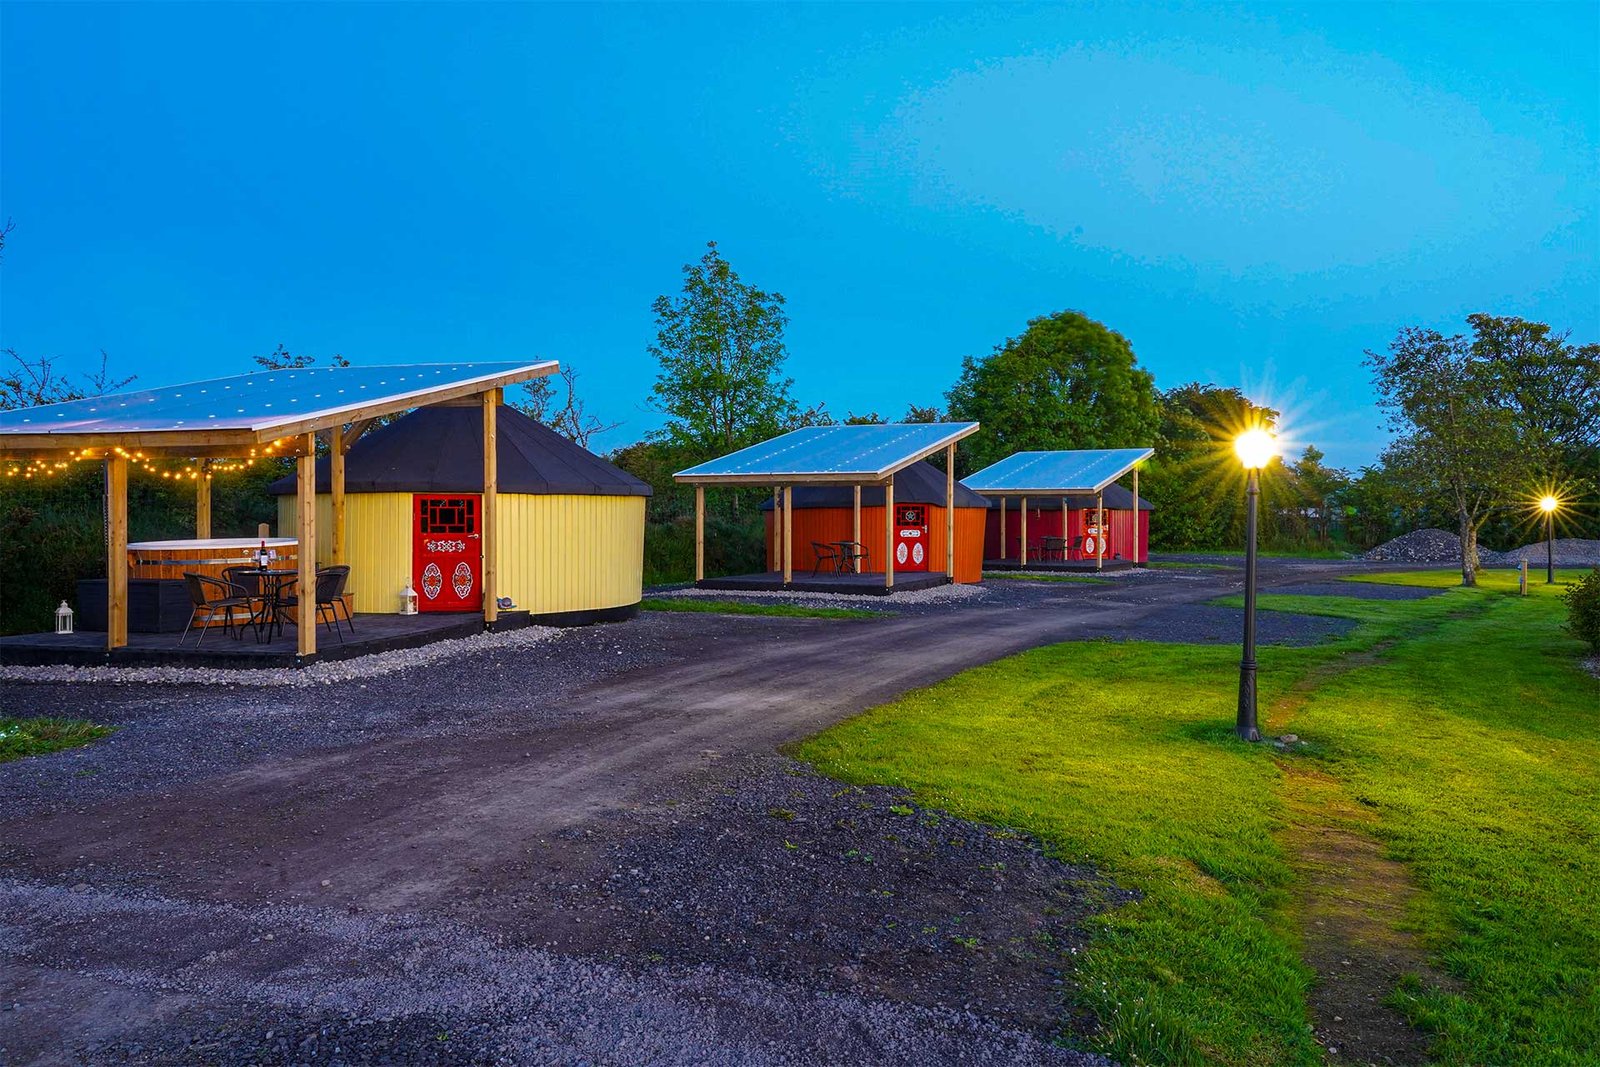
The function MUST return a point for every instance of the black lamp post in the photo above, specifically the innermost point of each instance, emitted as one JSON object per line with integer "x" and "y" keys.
{"x": 1255, "y": 450}
{"x": 1548, "y": 505}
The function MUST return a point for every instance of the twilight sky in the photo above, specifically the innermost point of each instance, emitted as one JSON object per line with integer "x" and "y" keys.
{"x": 1252, "y": 195}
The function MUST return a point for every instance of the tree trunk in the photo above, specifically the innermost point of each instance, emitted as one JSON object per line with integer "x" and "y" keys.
{"x": 1469, "y": 551}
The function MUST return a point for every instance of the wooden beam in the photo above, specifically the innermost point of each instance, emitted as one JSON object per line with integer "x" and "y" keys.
{"x": 950, "y": 512}
{"x": 1022, "y": 556}
{"x": 353, "y": 432}
{"x": 1135, "y": 516}
{"x": 1100, "y": 519}
{"x": 700, "y": 533}
{"x": 202, "y": 500}
{"x": 1002, "y": 527}
{"x": 305, "y": 619}
{"x": 491, "y": 492}
{"x": 116, "y": 552}
{"x": 855, "y": 524}
{"x": 888, "y": 534}
{"x": 788, "y": 534}
{"x": 336, "y": 476}
{"x": 1064, "y": 542}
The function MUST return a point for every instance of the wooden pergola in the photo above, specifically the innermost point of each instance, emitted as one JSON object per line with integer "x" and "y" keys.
{"x": 854, "y": 455}
{"x": 279, "y": 413}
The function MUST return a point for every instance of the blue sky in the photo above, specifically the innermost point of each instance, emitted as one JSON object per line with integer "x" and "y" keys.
{"x": 1253, "y": 195}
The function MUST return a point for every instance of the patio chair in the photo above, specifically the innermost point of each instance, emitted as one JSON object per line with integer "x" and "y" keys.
{"x": 250, "y": 582}
{"x": 212, "y": 596}
{"x": 825, "y": 554}
{"x": 855, "y": 558}
{"x": 329, "y": 599}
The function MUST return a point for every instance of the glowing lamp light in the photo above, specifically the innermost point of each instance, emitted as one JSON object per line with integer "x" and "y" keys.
{"x": 1548, "y": 504}
{"x": 1255, "y": 448}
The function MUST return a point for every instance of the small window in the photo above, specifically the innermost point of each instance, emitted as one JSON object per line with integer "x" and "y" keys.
{"x": 449, "y": 515}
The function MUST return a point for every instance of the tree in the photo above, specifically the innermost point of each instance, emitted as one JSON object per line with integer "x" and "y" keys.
{"x": 280, "y": 359}
{"x": 720, "y": 347}
{"x": 28, "y": 383}
{"x": 570, "y": 419}
{"x": 1458, "y": 437}
{"x": 1319, "y": 488}
{"x": 1067, "y": 382}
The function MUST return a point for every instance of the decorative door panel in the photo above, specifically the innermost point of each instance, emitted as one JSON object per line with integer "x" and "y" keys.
{"x": 447, "y": 552}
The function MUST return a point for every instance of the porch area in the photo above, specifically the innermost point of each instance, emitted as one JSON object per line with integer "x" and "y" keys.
{"x": 864, "y": 584}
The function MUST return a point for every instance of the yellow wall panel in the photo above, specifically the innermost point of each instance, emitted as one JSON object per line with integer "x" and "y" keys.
{"x": 557, "y": 553}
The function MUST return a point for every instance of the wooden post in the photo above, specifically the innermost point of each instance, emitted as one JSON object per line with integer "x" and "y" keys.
{"x": 888, "y": 534}
{"x": 777, "y": 530}
{"x": 1022, "y": 556}
{"x": 491, "y": 495}
{"x": 305, "y": 618}
{"x": 202, "y": 499}
{"x": 116, "y": 551}
{"x": 1136, "y": 515}
{"x": 788, "y": 534}
{"x": 950, "y": 512}
{"x": 1100, "y": 519}
{"x": 1002, "y": 527}
{"x": 699, "y": 533}
{"x": 336, "y": 476}
{"x": 1064, "y": 541}
{"x": 855, "y": 523}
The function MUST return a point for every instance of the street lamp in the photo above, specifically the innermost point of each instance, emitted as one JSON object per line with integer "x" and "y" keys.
{"x": 1255, "y": 449}
{"x": 1548, "y": 505}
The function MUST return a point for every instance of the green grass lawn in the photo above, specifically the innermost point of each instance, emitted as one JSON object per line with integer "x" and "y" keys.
{"x": 1019, "y": 576}
{"x": 35, "y": 737}
{"x": 740, "y": 607}
{"x": 1462, "y": 722}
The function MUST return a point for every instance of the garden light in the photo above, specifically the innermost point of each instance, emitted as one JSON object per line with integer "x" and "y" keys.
{"x": 1255, "y": 448}
{"x": 1548, "y": 504}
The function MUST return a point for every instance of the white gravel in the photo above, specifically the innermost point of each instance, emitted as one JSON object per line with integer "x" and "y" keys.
{"x": 326, "y": 672}
{"x": 938, "y": 594}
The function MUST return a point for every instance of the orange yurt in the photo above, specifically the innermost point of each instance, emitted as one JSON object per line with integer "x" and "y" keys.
{"x": 824, "y": 515}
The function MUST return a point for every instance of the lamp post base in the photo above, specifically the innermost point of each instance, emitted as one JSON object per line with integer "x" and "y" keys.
{"x": 1245, "y": 725}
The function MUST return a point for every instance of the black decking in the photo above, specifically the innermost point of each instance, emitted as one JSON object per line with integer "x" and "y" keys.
{"x": 373, "y": 633}
{"x": 1071, "y": 566}
{"x": 868, "y": 584}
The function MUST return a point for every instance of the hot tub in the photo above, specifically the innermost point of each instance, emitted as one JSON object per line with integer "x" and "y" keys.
{"x": 210, "y": 555}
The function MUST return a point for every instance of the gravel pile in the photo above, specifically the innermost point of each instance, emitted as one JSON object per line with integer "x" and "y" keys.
{"x": 1569, "y": 552}
{"x": 326, "y": 672}
{"x": 1430, "y": 546}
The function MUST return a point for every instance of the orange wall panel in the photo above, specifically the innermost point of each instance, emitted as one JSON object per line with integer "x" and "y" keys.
{"x": 834, "y": 524}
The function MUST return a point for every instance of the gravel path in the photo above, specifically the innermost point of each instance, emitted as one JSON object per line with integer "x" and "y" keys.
{"x": 577, "y": 850}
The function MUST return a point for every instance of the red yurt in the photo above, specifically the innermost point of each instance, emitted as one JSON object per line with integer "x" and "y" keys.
{"x": 1068, "y": 529}
{"x": 824, "y": 515}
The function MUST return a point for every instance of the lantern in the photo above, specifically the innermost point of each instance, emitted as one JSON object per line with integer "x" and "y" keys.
{"x": 63, "y": 619}
{"x": 408, "y": 600}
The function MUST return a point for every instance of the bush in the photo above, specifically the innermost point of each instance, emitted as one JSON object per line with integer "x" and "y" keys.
{"x": 1583, "y": 609}
{"x": 733, "y": 546}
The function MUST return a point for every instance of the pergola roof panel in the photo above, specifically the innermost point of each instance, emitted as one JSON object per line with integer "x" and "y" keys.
{"x": 862, "y": 453}
{"x": 258, "y": 405}
{"x": 1087, "y": 470}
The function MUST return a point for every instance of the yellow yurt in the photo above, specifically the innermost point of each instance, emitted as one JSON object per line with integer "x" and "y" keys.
{"x": 569, "y": 525}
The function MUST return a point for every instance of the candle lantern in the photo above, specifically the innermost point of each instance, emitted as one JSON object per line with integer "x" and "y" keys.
{"x": 408, "y": 600}
{"x": 63, "y": 619}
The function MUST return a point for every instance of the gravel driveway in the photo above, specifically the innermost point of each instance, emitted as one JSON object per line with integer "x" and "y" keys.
{"x": 579, "y": 851}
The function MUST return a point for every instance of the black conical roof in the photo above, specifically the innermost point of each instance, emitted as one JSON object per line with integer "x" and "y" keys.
{"x": 920, "y": 483}
{"x": 440, "y": 450}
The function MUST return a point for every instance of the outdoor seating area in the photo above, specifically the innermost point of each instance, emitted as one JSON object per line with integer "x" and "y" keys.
{"x": 1064, "y": 511}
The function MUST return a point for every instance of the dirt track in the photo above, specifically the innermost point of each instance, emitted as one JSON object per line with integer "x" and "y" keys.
{"x": 424, "y": 822}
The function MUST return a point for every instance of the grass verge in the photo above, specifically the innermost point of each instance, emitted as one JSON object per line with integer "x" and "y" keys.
{"x": 1464, "y": 724}
{"x": 35, "y": 737}
{"x": 740, "y": 607}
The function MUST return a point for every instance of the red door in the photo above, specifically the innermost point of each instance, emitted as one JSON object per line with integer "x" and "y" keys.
{"x": 910, "y": 537}
{"x": 1093, "y": 536}
{"x": 447, "y": 552}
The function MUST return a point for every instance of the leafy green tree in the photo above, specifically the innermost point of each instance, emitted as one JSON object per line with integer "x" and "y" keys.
{"x": 1319, "y": 487}
{"x": 1067, "y": 382}
{"x": 1459, "y": 439}
{"x": 720, "y": 347}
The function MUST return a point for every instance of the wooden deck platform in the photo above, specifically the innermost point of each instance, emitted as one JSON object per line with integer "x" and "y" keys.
{"x": 868, "y": 584}
{"x": 373, "y": 633}
{"x": 1071, "y": 566}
